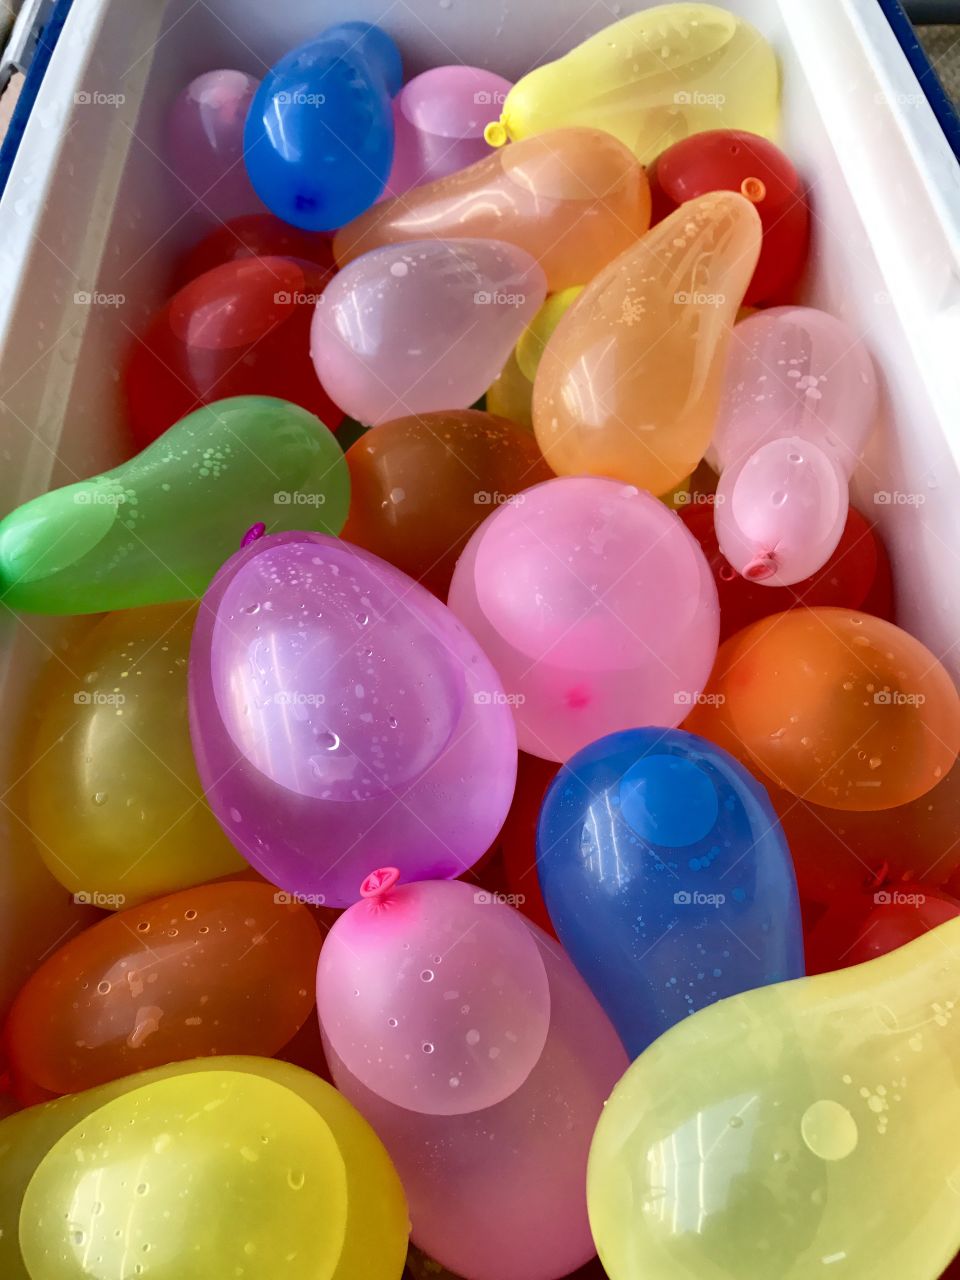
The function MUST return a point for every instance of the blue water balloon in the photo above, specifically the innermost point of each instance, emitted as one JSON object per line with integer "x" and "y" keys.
{"x": 667, "y": 877}
{"x": 318, "y": 141}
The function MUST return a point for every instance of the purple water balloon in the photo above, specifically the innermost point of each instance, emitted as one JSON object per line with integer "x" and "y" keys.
{"x": 439, "y": 119}
{"x": 205, "y": 143}
{"x": 412, "y": 328}
{"x": 342, "y": 717}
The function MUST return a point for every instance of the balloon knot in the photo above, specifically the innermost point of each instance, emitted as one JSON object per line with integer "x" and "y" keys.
{"x": 755, "y": 189}
{"x": 253, "y": 533}
{"x": 379, "y": 882}
{"x": 495, "y": 133}
{"x": 761, "y": 567}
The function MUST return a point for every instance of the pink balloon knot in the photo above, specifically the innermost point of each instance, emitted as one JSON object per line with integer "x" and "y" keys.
{"x": 379, "y": 882}
{"x": 253, "y": 533}
{"x": 760, "y": 567}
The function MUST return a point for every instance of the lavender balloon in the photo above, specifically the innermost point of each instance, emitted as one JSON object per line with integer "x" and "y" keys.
{"x": 427, "y": 325}
{"x": 439, "y": 118}
{"x": 205, "y": 142}
{"x": 342, "y": 717}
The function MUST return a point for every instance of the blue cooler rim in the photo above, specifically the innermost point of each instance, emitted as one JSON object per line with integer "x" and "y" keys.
{"x": 919, "y": 59}
{"x": 46, "y": 44}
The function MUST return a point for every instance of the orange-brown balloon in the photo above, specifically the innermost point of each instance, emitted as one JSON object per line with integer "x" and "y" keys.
{"x": 573, "y": 198}
{"x": 220, "y": 968}
{"x": 421, "y": 485}
{"x": 630, "y": 382}
{"x": 836, "y": 706}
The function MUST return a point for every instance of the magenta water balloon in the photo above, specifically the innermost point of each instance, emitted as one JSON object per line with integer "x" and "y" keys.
{"x": 595, "y": 605}
{"x": 342, "y": 717}
{"x": 439, "y": 117}
{"x": 796, "y": 371}
{"x": 781, "y": 511}
{"x": 205, "y": 143}
{"x": 427, "y": 325}
{"x": 433, "y": 995}
{"x": 498, "y": 1194}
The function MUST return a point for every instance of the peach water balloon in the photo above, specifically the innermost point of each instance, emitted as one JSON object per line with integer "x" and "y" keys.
{"x": 432, "y": 996}
{"x": 630, "y": 382}
{"x": 340, "y": 713}
{"x": 781, "y": 511}
{"x": 792, "y": 1129}
{"x": 838, "y": 707}
{"x": 573, "y": 199}
{"x": 422, "y": 326}
{"x": 595, "y": 605}
{"x": 205, "y": 143}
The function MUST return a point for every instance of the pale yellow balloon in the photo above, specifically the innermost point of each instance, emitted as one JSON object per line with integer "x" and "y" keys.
{"x": 510, "y": 395}
{"x": 535, "y": 337}
{"x": 797, "y": 1131}
{"x": 651, "y": 79}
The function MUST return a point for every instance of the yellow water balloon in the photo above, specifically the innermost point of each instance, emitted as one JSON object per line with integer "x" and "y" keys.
{"x": 510, "y": 395}
{"x": 799, "y": 1130}
{"x": 535, "y": 337}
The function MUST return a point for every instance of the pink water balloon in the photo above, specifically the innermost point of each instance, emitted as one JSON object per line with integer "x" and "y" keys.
{"x": 342, "y": 716}
{"x": 780, "y": 512}
{"x": 595, "y": 605}
{"x": 417, "y": 327}
{"x": 796, "y": 371}
{"x": 205, "y": 143}
{"x": 439, "y": 117}
{"x": 433, "y": 995}
{"x": 498, "y": 1193}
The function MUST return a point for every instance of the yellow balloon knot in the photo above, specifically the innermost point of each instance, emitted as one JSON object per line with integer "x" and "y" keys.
{"x": 496, "y": 133}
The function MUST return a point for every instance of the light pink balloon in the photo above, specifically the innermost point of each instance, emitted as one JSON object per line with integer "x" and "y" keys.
{"x": 779, "y": 514}
{"x": 433, "y": 995}
{"x": 410, "y": 328}
{"x": 596, "y": 607}
{"x": 796, "y": 372}
{"x": 439, "y": 118}
{"x": 499, "y": 1194}
{"x": 205, "y": 143}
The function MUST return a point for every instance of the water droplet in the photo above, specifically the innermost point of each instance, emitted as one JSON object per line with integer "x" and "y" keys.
{"x": 427, "y": 976}
{"x": 103, "y": 988}
{"x": 427, "y": 1047}
{"x": 829, "y": 1130}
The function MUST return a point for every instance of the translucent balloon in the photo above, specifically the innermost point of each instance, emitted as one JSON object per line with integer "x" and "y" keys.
{"x": 790, "y": 1128}
{"x": 341, "y": 714}
{"x": 732, "y": 160}
{"x": 439, "y": 117}
{"x": 497, "y": 1194}
{"x": 573, "y": 199}
{"x": 596, "y": 607}
{"x": 242, "y": 328}
{"x": 318, "y": 142}
{"x": 651, "y": 79}
{"x": 781, "y": 512}
{"x": 667, "y": 877}
{"x": 453, "y": 1006}
{"x": 115, "y": 804}
{"x": 630, "y": 381}
{"x": 373, "y": 1191}
{"x": 158, "y": 527}
{"x": 422, "y": 326}
{"x": 877, "y": 922}
{"x": 510, "y": 395}
{"x": 258, "y": 235}
{"x": 219, "y": 968}
{"x": 533, "y": 340}
{"x": 835, "y": 706}
{"x": 205, "y": 143}
{"x": 421, "y": 485}
{"x": 795, "y": 371}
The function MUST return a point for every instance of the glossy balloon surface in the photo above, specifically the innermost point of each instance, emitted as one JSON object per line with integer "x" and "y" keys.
{"x": 438, "y": 118}
{"x": 421, "y": 485}
{"x": 838, "y": 707}
{"x": 343, "y": 718}
{"x": 630, "y": 382}
{"x": 596, "y": 607}
{"x": 158, "y": 527}
{"x": 454, "y": 1005}
{"x": 257, "y": 235}
{"x": 422, "y": 326}
{"x": 781, "y": 512}
{"x": 219, "y": 968}
{"x": 733, "y": 160}
{"x": 115, "y": 805}
{"x": 242, "y": 328}
{"x": 205, "y": 143}
{"x": 651, "y": 79}
{"x": 519, "y": 1164}
{"x": 789, "y": 1125}
{"x": 573, "y": 199}
{"x": 667, "y": 877}
{"x": 796, "y": 371}
{"x": 318, "y": 142}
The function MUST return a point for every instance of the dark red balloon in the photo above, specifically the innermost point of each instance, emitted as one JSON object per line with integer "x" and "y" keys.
{"x": 731, "y": 160}
{"x": 255, "y": 235}
{"x": 857, "y": 576}
{"x": 241, "y": 329}
{"x": 518, "y": 838}
{"x": 875, "y": 923}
